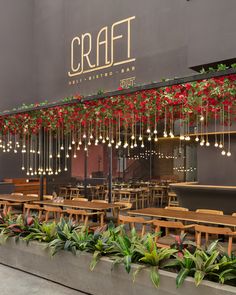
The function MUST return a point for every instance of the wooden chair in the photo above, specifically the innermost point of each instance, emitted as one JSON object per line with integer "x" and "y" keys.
{"x": 157, "y": 197}
{"x": 83, "y": 216}
{"x": 55, "y": 210}
{"x": 208, "y": 211}
{"x": 172, "y": 200}
{"x": 63, "y": 192}
{"x": 74, "y": 193}
{"x": 31, "y": 207}
{"x": 133, "y": 221}
{"x": 5, "y": 207}
{"x": 124, "y": 207}
{"x": 228, "y": 247}
{"x": 168, "y": 239}
{"x": 80, "y": 199}
{"x": 177, "y": 208}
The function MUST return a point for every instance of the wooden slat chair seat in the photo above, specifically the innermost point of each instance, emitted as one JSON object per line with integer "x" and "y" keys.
{"x": 83, "y": 216}
{"x": 206, "y": 231}
{"x": 134, "y": 222}
{"x": 56, "y": 211}
{"x": 28, "y": 208}
{"x": 171, "y": 228}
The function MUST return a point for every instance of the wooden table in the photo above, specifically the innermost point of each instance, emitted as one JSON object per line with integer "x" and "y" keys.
{"x": 192, "y": 216}
{"x": 80, "y": 205}
{"x": 18, "y": 199}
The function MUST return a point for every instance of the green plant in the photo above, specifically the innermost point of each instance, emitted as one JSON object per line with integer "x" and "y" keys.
{"x": 154, "y": 258}
{"x": 42, "y": 232}
{"x": 126, "y": 249}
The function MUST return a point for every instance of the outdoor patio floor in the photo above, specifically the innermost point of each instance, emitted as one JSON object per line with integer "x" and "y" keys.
{"x": 16, "y": 282}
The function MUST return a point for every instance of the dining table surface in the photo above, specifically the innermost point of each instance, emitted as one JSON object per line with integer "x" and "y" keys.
{"x": 87, "y": 205}
{"x": 18, "y": 199}
{"x": 191, "y": 216}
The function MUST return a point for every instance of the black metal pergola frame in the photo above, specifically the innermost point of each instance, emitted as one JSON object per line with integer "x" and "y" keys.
{"x": 106, "y": 95}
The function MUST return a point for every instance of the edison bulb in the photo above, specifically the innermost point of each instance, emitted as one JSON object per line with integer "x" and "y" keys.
{"x": 135, "y": 144}
{"x": 73, "y": 142}
{"x": 197, "y": 139}
{"x": 216, "y": 144}
{"x": 149, "y": 138}
{"x": 220, "y": 145}
{"x": 142, "y": 145}
{"x": 181, "y": 137}
{"x": 187, "y": 138}
{"x": 201, "y": 118}
{"x": 62, "y": 147}
{"x": 228, "y": 154}
{"x": 103, "y": 141}
{"x": 140, "y": 138}
{"x": 132, "y": 137}
{"x": 148, "y": 130}
{"x": 65, "y": 169}
{"x": 207, "y": 143}
{"x": 155, "y": 139}
{"x": 109, "y": 144}
{"x": 223, "y": 153}
{"x": 155, "y": 131}
{"x": 84, "y": 136}
{"x": 202, "y": 143}
{"x": 165, "y": 134}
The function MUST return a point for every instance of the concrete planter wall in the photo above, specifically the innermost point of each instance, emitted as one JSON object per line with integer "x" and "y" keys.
{"x": 73, "y": 271}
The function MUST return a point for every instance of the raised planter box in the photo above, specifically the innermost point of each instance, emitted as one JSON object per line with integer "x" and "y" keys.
{"x": 73, "y": 271}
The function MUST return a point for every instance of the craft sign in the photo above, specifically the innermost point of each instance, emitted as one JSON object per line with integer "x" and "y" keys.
{"x": 110, "y": 47}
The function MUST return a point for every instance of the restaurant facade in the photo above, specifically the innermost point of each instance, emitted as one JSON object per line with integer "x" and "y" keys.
{"x": 49, "y": 53}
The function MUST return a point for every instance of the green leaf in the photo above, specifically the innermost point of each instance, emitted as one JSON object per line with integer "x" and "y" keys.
{"x": 155, "y": 277}
{"x": 198, "y": 277}
{"x": 181, "y": 277}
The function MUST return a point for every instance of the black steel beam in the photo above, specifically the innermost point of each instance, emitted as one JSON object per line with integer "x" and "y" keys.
{"x": 155, "y": 85}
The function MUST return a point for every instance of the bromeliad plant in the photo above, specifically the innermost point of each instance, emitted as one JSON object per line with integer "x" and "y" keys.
{"x": 126, "y": 248}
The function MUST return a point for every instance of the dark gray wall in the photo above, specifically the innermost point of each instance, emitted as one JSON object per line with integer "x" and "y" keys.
{"x": 215, "y": 169}
{"x": 16, "y": 73}
{"x": 16, "y": 52}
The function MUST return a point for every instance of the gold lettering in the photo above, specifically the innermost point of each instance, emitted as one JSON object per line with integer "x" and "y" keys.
{"x": 99, "y": 43}
{"x": 86, "y": 55}
{"x": 74, "y": 69}
{"x": 85, "y": 45}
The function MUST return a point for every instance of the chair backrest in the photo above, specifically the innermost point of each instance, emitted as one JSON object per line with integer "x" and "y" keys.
{"x": 32, "y": 206}
{"x": 99, "y": 201}
{"x": 132, "y": 221}
{"x": 17, "y": 194}
{"x": 32, "y": 195}
{"x": 177, "y": 208}
{"x": 209, "y": 211}
{"x": 167, "y": 225}
{"x": 207, "y": 230}
{"x": 52, "y": 209}
{"x": 125, "y": 205}
{"x": 234, "y": 214}
{"x": 80, "y": 199}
